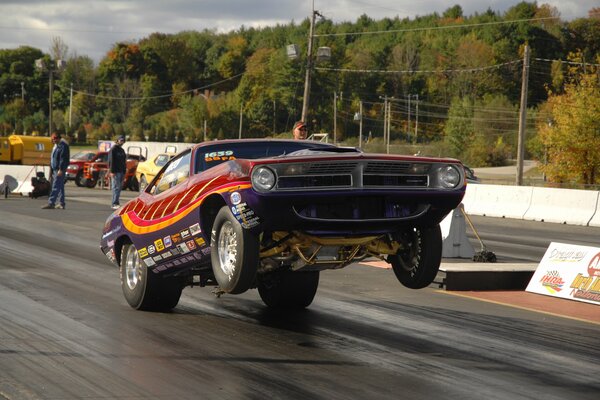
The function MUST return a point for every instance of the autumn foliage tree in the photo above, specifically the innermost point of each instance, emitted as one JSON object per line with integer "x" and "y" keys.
{"x": 571, "y": 134}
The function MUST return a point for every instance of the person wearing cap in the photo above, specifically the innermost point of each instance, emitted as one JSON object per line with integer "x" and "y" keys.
{"x": 117, "y": 165}
{"x": 59, "y": 161}
{"x": 300, "y": 131}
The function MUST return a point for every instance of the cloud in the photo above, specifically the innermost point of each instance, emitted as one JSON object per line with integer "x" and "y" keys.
{"x": 91, "y": 27}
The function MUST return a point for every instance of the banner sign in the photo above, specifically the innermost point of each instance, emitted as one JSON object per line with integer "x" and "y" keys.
{"x": 569, "y": 272}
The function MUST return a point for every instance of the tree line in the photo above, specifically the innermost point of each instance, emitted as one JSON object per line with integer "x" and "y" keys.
{"x": 453, "y": 83}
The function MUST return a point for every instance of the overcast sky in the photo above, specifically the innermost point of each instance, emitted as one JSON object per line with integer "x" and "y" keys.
{"x": 91, "y": 27}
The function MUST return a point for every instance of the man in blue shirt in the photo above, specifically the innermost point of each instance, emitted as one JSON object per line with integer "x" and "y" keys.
{"x": 59, "y": 161}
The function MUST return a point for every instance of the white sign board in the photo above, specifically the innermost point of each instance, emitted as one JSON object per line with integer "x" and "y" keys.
{"x": 570, "y": 272}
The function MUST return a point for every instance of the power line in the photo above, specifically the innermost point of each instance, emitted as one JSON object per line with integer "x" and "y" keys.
{"x": 99, "y": 96}
{"x": 436, "y": 27}
{"x": 379, "y": 71}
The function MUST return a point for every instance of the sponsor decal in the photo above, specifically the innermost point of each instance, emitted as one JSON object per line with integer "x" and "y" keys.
{"x": 198, "y": 255}
{"x": 224, "y": 155}
{"x": 569, "y": 255}
{"x": 149, "y": 262}
{"x": 159, "y": 268}
{"x": 176, "y": 238}
{"x": 110, "y": 243}
{"x": 159, "y": 245}
{"x": 195, "y": 229}
{"x": 143, "y": 252}
{"x": 552, "y": 281}
{"x": 594, "y": 266}
{"x": 200, "y": 241}
{"x": 167, "y": 254}
{"x": 183, "y": 249}
{"x": 151, "y": 249}
{"x": 191, "y": 245}
{"x": 157, "y": 258}
{"x": 235, "y": 198}
{"x": 176, "y": 262}
{"x": 206, "y": 251}
{"x": 185, "y": 234}
{"x": 167, "y": 241}
{"x": 586, "y": 288}
{"x": 245, "y": 215}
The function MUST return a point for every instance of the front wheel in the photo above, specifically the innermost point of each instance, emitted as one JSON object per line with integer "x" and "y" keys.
{"x": 417, "y": 264}
{"x": 288, "y": 290}
{"x": 234, "y": 253}
{"x": 143, "y": 289}
{"x": 79, "y": 179}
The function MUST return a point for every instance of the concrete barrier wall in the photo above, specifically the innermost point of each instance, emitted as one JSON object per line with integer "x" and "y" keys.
{"x": 498, "y": 200}
{"x": 563, "y": 206}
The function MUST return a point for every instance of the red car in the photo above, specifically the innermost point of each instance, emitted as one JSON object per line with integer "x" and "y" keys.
{"x": 272, "y": 214}
{"x": 76, "y": 163}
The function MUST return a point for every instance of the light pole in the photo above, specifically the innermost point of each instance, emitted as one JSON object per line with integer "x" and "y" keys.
{"x": 57, "y": 65}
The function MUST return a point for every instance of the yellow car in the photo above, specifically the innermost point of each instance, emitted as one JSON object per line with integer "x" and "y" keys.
{"x": 147, "y": 170}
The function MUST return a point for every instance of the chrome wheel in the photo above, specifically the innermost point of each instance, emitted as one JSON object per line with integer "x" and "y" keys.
{"x": 227, "y": 249}
{"x": 133, "y": 268}
{"x": 233, "y": 252}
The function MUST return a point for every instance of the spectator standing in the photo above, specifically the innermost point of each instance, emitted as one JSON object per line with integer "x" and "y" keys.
{"x": 117, "y": 165}
{"x": 59, "y": 161}
{"x": 300, "y": 131}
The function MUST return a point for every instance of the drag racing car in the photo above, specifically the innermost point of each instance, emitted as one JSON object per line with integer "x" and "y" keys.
{"x": 271, "y": 214}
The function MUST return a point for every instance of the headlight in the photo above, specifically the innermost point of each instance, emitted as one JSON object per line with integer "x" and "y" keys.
{"x": 448, "y": 176}
{"x": 263, "y": 179}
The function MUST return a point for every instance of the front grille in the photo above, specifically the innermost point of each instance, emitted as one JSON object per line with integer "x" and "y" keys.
{"x": 382, "y": 167}
{"x": 395, "y": 181}
{"x": 372, "y": 174}
{"x": 318, "y": 181}
{"x": 331, "y": 168}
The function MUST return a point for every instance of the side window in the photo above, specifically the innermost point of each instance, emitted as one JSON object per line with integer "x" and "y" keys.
{"x": 177, "y": 171}
{"x": 161, "y": 160}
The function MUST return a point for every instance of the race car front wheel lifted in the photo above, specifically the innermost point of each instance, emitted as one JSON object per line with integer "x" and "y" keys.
{"x": 234, "y": 253}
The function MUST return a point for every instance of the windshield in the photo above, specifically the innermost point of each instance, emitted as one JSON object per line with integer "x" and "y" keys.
{"x": 83, "y": 155}
{"x": 210, "y": 156}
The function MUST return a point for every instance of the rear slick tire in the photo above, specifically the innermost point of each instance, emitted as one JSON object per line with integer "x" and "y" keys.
{"x": 417, "y": 266}
{"x": 288, "y": 290}
{"x": 143, "y": 289}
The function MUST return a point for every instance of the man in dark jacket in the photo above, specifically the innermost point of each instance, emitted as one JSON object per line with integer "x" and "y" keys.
{"x": 59, "y": 161}
{"x": 117, "y": 164}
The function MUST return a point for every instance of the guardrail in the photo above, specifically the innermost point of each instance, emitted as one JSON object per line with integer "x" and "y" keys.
{"x": 565, "y": 206}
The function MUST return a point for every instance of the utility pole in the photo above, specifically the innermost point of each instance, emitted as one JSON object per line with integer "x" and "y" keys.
{"x": 522, "y": 118}
{"x": 309, "y": 63}
{"x": 360, "y": 111}
{"x": 385, "y": 109}
{"x": 241, "y": 116}
{"x": 51, "y": 89}
{"x": 389, "y": 124}
{"x": 71, "y": 106}
{"x": 23, "y": 91}
{"x": 408, "y": 123}
{"x": 334, "y": 117}
{"x": 205, "y": 130}
{"x": 416, "y": 117}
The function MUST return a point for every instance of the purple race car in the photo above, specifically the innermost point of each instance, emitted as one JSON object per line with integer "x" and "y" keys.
{"x": 271, "y": 214}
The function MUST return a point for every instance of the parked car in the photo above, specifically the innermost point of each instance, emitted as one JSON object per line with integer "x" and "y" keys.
{"x": 97, "y": 171}
{"x": 272, "y": 214}
{"x": 147, "y": 170}
{"x": 76, "y": 163}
